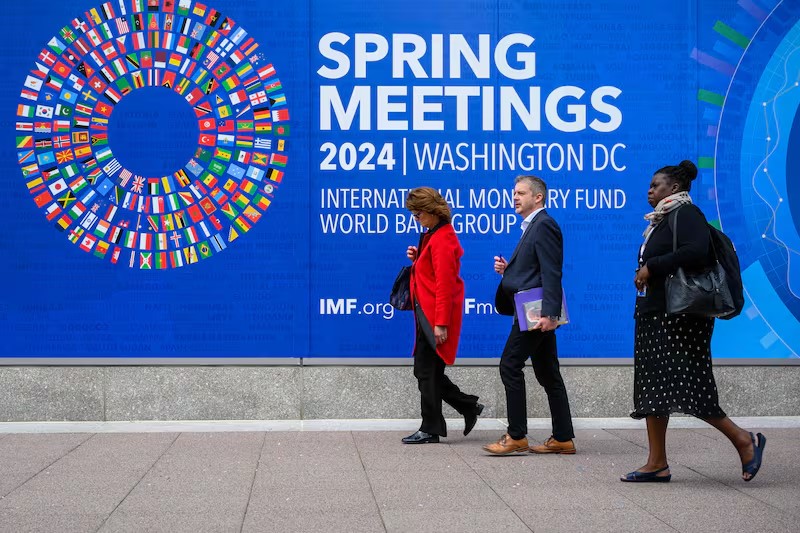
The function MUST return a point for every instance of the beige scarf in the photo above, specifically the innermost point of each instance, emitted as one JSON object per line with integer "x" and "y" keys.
{"x": 667, "y": 204}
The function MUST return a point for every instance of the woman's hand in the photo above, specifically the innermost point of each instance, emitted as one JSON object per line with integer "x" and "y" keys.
{"x": 641, "y": 277}
{"x": 500, "y": 264}
{"x": 411, "y": 253}
{"x": 440, "y": 333}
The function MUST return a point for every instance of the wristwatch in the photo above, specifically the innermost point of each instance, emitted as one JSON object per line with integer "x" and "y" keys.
{"x": 553, "y": 318}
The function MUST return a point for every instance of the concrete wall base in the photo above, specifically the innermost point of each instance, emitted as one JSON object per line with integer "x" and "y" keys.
{"x": 115, "y": 393}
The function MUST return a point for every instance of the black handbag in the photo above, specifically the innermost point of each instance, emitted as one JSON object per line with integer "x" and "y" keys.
{"x": 400, "y": 298}
{"x": 702, "y": 294}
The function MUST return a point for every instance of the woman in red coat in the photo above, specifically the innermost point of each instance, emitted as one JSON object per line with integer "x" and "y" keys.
{"x": 437, "y": 291}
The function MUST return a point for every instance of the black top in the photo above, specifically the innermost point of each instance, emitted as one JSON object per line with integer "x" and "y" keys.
{"x": 694, "y": 253}
{"x": 537, "y": 261}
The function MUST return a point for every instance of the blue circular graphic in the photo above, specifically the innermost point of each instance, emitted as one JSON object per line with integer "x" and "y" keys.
{"x": 753, "y": 136}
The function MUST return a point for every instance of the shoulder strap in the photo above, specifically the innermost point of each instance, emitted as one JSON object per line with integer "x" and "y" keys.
{"x": 674, "y": 215}
{"x": 675, "y": 229}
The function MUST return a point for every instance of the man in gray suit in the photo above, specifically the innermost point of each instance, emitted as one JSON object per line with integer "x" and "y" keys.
{"x": 536, "y": 262}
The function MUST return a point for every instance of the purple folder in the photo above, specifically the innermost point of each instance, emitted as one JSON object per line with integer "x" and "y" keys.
{"x": 529, "y": 308}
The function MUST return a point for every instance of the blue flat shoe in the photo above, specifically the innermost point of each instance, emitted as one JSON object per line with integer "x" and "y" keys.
{"x": 647, "y": 477}
{"x": 754, "y": 464}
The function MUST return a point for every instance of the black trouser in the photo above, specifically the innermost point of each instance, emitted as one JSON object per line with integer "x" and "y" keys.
{"x": 435, "y": 386}
{"x": 541, "y": 348}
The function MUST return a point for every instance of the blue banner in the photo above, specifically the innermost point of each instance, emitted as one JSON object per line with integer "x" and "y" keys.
{"x": 227, "y": 179}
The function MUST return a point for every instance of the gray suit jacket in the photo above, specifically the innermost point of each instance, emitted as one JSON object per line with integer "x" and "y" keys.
{"x": 536, "y": 262}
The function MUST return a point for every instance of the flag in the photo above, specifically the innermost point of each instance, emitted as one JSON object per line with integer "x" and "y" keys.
{"x": 56, "y": 46}
{"x": 25, "y": 111}
{"x": 230, "y": 186}
{"x": 254, "y": 173}
{"x": 218, "y": 243}
{"x": 176, "y": 259}
{"x": 278, "y": 160}
{"x": 161, "y": 261}
{"x": 258, "y": 97}
{"x": 266, "y": 71}
{"x": 191, "y": 235}
{"x": 122, "y": 26}
{"x": 43, "y": 198}
{"x": 237, "y": 97}
{"x": 145, "y": 241}
{"x": 229, "y": 211}
{"x": 102, "y": 228}
{"x": 242, "y": 223}
{"x": 75, "y": 235}
{"x": 129, "y": 239}
{"x": 240, "y": 199}
{"x": 146, "y": 260}
{"x": 44, "y": 111}
{"x": 63, "y": 222}
{"x": 242, "y": 156}
{"x": 108, "y": 50}
{"x": 190, "y": 254}
{"x": 279, "y": 115}
{"x": 182, "y": 46}
{"x": 25, "y": 141}
{"x": 83, "y": 151}
{"x": 88, "y": 242}
{"x": 207, "y": 205}
{"x": 274, "y": 86}
{"x": 101, "y": 249}
{"x": 222, "y": 154}
{"x": 158, "y": 204}
{"x": 167, "y": 224}
{"x": 261, "y": 202}
{"x": 209, "y": 180}
{"x": 64, "y": 156}
{"x": 218, "y": 196}
{"x": 278, "y": 100}
{"x": 47, "y": 57}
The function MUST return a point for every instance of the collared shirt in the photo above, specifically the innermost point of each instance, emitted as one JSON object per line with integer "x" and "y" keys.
{"x": 528, "y": 219}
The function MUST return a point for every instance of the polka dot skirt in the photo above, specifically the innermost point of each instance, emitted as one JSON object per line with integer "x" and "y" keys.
{"x": 672, "y": 366}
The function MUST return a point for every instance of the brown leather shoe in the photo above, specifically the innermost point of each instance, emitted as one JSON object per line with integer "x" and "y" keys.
{"x": 551, "y": 445}
{"x": 506, "y": 446}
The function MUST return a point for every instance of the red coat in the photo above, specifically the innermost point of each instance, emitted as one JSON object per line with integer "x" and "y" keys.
{"x": 437, "y": 285}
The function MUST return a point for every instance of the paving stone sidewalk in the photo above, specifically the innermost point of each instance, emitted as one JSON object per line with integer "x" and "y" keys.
{"x": 349, "y": 481}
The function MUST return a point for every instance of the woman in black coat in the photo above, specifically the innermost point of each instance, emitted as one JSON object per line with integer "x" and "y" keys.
{"x": 672, "y": 353}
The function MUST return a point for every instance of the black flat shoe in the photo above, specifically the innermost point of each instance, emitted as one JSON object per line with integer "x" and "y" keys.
{"x": 753, "y": 466}
{"x": 471, "y": 419}
{"x": 647, "y": 477}
{"x": 420, "y": 437}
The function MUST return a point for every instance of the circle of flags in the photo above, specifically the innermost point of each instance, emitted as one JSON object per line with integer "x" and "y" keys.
{"x": 69, "y": 167}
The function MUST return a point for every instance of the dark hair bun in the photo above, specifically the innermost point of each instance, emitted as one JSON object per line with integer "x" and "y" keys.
{"x": 689, "y": 169}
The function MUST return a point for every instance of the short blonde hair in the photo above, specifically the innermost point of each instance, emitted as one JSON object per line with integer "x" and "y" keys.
{"x": 428, "y": 200}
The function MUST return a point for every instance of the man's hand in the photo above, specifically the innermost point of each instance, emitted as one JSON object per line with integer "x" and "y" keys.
{"x": 500, "y": 264}
{"x": 545, "y": 324}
